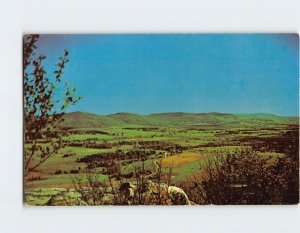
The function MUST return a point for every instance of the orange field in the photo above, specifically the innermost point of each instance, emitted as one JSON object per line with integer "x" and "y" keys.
{"x": 181, "y": 159}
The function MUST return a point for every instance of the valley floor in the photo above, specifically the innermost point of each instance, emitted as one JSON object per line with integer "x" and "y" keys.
{"x": 115, "y": 153}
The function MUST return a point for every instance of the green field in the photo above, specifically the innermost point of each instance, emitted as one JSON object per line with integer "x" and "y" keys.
{"x": 181, "y": 141}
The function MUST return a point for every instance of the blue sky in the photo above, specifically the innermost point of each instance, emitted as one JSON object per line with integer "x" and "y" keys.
{"x": 151, "y": 73}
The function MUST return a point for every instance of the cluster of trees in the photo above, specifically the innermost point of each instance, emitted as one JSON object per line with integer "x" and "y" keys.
{"x": 171, "y": 148}
{"x": 105, "y": 159}
{"x": 146, "y": 129}
{"x": 89, "y": 143}
{"x": 244, "y": 177}
{"x": 97, "y": 144}
{"x": 277, "y": 144}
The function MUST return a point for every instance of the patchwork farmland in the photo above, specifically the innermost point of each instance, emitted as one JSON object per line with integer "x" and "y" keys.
{"x": 116, "y": 149}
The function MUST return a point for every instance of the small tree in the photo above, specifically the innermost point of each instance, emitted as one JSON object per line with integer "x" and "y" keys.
{"x": 45, "y": 101}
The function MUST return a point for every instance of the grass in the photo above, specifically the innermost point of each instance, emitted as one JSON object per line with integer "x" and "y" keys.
{"x": 58, "y": 162}
{"x": 41, "y": 196}
{"x": 61, "y": 181}
{"x": 183, "y": 172}
{"x": 86, "y": 136}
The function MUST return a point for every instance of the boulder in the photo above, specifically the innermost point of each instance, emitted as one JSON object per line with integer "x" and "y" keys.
{"x": 178, "y": 196}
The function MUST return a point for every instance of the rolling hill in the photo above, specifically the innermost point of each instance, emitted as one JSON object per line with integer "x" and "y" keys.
{"x": 88, "y": 120}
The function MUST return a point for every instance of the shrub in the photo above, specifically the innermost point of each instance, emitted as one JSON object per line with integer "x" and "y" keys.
{"x": 244, "y": 177}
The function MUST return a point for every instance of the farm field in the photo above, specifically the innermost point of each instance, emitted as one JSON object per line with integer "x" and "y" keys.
{"x": 112, "y": 147}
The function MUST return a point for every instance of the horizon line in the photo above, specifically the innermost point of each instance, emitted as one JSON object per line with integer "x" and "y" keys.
{"x": 225, "y": 113}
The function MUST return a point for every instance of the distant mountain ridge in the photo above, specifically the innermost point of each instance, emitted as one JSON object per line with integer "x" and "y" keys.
{"x": 90, "y": 120}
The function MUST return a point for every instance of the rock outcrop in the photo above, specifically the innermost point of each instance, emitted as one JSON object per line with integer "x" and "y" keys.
{"x": 151, "y": 192}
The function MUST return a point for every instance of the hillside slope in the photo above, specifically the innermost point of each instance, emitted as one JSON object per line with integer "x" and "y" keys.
{"x": 88, "y": 120}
